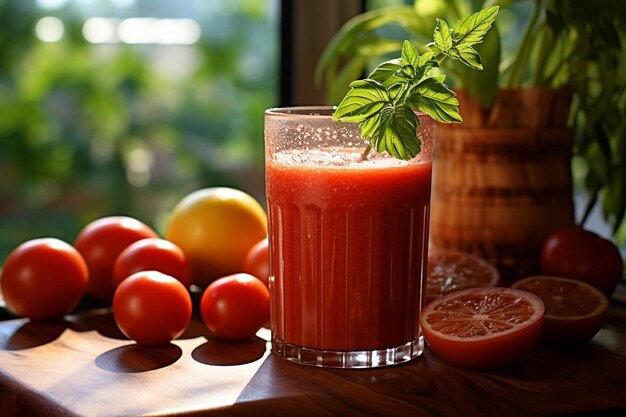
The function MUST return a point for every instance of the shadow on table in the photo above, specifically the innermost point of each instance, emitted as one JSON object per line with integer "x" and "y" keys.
{"x": 27, "y": 335}
{"x": 100, "y": 320}
{"x": 219, "y": 352}
{"x": 135, "y": 358}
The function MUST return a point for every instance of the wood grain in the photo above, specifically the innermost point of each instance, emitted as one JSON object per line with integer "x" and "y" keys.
{"x": 84, "y": 366}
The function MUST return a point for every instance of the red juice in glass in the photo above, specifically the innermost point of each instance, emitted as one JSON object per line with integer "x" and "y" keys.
{"x": 348, "y": 242}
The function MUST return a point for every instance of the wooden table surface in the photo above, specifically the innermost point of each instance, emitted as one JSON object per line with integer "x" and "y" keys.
{"x": 84, "y": 366}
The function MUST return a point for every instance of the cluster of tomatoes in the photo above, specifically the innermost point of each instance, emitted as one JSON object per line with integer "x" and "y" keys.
{"x": 122, "y": 260}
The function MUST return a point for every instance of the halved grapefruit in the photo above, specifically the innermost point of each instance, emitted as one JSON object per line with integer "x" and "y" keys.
{"x": 450, "y": 271}
{"x": 483, "y": 328}
{"x": 575, "y": 311}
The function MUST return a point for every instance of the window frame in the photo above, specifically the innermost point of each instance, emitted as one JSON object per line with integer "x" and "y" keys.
{"x": 306, "y": 29}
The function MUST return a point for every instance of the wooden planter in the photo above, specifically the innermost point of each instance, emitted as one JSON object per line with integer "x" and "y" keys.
{"x": 502, "y": 179}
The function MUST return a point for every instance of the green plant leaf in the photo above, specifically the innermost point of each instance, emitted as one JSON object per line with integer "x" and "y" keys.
{"x": 426, "y": 59}
{"x": 396, "y": 90}
{"x": 424, "y": 70}
{"x": 415, "y": 67}
{"x": 598, "y": 167}
{"x": 355, "y": 65}
{"x": 385, "y": 71}
{"x": 614, "y": 197}
{"x": 482, "y": 86}
{"x": 440, "y": 78}
{"x": 377, "y": 46}
{"x": 384, "y": 105}
{"x": 469, "y": 56}
{"x": 407, "y": 72}
{"x": 442, "y": 36}
{"x": 365, "y": 98}
{"x": 409, "y": 55}
{"x": 340, "y": 82}
{"x": 435, "y": 99}
{"x": 471, "y": 29}
{"x": 351, "y": 34}
{"x": 396, "y": 132}
{"x": 370, "y": 128}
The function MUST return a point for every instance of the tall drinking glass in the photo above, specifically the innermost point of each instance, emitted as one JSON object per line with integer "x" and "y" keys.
{"x": 348, "y": 242}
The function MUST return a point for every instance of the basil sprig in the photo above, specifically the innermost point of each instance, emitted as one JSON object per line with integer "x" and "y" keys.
{"x": 384, "y": 104}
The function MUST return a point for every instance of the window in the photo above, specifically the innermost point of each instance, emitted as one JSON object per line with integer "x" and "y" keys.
{"x": 122, "y": 106}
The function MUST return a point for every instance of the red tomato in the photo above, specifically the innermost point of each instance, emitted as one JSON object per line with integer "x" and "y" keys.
{"x": 43, "y": 279}
{"x": 152, "y": 254}
{"x": 257, "y": 261}
{"x": 100, "y": 243}
{"x": 584, "y": 256}
{"x": 152, "y": 308}
{"x": 234, "y": 307}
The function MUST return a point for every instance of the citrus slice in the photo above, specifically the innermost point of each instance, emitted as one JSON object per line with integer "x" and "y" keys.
{"x": 483, "y": 328}
{"x": 575, "y": 311}
{"x": 450, "y": 271}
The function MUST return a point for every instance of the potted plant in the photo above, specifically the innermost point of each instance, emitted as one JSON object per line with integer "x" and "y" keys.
{"x": 503, "y": 179}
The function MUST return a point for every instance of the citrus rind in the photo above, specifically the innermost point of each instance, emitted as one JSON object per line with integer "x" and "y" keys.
{"x": 483, "y": 328}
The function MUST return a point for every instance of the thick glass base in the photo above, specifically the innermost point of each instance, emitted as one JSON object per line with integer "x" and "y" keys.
{"x": 349, "y": 359}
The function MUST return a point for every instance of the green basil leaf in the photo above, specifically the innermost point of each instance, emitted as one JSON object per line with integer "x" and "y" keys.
{"x": 421, "y": 65}
{"x": 384, "y": 104}
{"x": 435, "y": 99}
{"x": 409, "y": 55}
{"x": 471, "y": 29}
{"x": 408, "y": 71}
{"x": 396, "y": 90}
{"x": 482, "y": 86}
{"x": 370, "y": 128}
{"x": 468, "y": 56}
{"x": 397, "y": 133}
{"x": 425, "y": 70}
{"x": 427, "y": 59}
{"x": 365, "y": 98}
{"x": 442, "y": 36}
{"x": 433, "y": 48}
{"x": 440, "y": 78}
{"x": 386, "y": 71}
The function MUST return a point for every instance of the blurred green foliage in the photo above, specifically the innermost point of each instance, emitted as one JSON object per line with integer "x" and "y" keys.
{"x": 94, "y": 130}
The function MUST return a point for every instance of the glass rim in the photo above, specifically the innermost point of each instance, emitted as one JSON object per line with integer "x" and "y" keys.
{"x": 301, "y": 111}
{"x": 313, "y": 111}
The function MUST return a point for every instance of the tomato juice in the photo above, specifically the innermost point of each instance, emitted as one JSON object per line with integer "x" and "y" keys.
{"x": 348, "y": 249}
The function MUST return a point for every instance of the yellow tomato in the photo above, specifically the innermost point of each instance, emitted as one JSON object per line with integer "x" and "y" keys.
{"x": 216, "y": 227}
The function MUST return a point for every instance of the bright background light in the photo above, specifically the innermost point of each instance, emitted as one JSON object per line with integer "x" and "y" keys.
{"x": 100, "y": 30}
{"x": 177, "y": 31}
{"x": 49, "y": 29}
{"x": 142, "y": 30}
{"x": 137, "y": 30}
